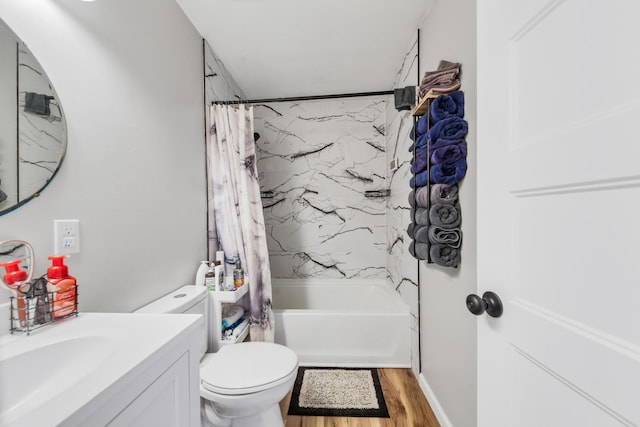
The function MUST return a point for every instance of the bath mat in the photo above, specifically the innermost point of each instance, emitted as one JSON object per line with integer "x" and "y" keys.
{"x": 339, "y": 392}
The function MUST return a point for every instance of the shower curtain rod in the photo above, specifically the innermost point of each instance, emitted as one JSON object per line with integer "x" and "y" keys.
{"x": 303, "y": 98}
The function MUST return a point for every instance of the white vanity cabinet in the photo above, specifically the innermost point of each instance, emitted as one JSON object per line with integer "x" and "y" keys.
{"x": 217, "y": 300}
{"x": 164, "y": 403}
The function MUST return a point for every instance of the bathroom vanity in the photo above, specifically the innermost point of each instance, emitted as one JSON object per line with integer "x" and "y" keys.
{"x": 103, "y": 369}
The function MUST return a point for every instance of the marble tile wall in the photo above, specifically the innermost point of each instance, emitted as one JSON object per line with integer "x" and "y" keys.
{"x": 402, "y": 268}
{"x": 318, "y": 158}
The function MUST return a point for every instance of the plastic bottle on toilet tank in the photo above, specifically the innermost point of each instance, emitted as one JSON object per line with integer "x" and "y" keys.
{"x": 65, "y": 299}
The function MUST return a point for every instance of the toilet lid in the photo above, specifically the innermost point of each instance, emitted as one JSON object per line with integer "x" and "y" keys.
{"x": 247, "y": 367}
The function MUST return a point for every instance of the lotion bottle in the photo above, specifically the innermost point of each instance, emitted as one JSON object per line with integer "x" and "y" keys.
{"x": 65, "y": 300}
{"x": 201, "y": 273}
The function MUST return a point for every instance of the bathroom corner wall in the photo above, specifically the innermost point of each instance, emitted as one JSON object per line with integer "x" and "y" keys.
{"x": 219, "y": 84}
{"x": 318, "y": 158}
{"x": 133, "y": 173}
{"x": 402, "y": 268}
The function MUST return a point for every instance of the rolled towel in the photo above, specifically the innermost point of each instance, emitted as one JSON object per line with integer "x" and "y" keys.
{"x": 444, "y": 255}
{"x": 444, "y": 193}
{"x": 421, "y": 234}
{"x": 420, "y": 142}
{"x": 231, "y": 315}
{"x": 449, "y": 128}
{"x": 449, "y": 153}
{"x": 422, "y": 125}
{"x": 422, "y": 196}
{"x": 410, "y": 229}
{"x": 420, "y": 160}
{"x": 440, "y": 143}
{"x": 444, "y": 106}
{"x": 421, "y": 217}
{"x": 419, "y": 250}
{"x": 443, "y": 215}
{"x": 439, "y": 235}
{"x": 420, "y": 180}
{"x": 448, "y": 173}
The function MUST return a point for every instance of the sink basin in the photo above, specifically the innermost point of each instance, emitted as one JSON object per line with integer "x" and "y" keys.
{"x": 46, "y": 370}
{"x": 70, "y": 373}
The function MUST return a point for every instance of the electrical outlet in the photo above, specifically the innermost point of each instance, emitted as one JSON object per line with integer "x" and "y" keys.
{"x": 66, "y": 236}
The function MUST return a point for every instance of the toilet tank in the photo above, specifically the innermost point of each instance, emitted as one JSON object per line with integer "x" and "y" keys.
{"x": 187, "y": 300}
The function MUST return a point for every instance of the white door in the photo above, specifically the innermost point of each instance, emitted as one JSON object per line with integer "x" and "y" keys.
{"x": 559, "y": 212}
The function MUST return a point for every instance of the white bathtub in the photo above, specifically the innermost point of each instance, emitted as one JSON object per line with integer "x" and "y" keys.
{"x": 345, "y": 323}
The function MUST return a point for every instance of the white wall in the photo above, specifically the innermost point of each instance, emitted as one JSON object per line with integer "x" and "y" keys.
{"x": 8, "y": 119}
{"x": 448, "y": 330}
{"x": 129, "y": 75}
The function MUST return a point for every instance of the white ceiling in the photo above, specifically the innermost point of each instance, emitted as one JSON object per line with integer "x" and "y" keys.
{"x": 281, "y": 48}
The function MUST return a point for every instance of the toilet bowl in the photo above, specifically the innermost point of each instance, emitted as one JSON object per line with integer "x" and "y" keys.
{"x": 242, "y": 384}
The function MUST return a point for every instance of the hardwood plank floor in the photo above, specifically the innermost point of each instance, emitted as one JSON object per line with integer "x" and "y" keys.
{"x": 405, "y": 402}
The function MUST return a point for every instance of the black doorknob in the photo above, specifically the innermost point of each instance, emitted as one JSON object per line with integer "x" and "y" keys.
{"x": 489, "y": 302}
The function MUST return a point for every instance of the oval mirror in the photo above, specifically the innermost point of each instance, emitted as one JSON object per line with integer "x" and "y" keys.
{"x": 33, "y": 130}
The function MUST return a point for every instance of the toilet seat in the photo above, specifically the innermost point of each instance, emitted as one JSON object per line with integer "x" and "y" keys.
{"x": 246, "y": 368}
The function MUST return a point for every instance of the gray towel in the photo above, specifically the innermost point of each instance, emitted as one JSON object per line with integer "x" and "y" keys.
{"x": 444, "y": 193}
{"x": 444, "y": 255}
{"x": 404, "y": 98}
{"x": 420, "y": 251}
{"x": 421, "y": 234}
{"x": 37, "y": 103}
{"x": 410, "y": 229}
{"x": 439, "y": 235}
{"x": 444, "y": 215}
{"x": 422, "y": 216}
{"x": 421, "y": 196}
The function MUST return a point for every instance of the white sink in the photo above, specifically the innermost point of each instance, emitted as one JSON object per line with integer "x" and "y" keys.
{"x": 64, "y": 373}
{"x": 38, "y": 373}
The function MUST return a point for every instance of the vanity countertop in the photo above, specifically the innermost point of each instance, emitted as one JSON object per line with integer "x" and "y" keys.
{"x": 84, "y": 370}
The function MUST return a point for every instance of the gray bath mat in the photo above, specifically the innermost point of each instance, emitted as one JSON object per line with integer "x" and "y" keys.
{"x": 340, "y": 392}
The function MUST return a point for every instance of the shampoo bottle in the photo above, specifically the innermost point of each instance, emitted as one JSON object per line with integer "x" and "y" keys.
{"x": 63, "y": 286}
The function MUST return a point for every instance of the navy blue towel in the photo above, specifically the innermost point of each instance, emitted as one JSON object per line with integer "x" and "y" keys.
{"x": 449, "y": 128}
{"x": 448, "y": 173}
{"x": 449, "y": 153}
{"x": 451, "y": 105}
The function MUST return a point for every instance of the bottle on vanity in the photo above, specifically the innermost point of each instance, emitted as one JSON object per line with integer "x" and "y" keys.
{"x": 63, "y": 287}
{"x": 210, "y": 279}
{"x": 218, "y": 270}
{"x": 201, "y": 273}
{"x": 238, "y": 276}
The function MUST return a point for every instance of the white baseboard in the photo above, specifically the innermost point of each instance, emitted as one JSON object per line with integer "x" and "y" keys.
{"x": 433, "y": 402}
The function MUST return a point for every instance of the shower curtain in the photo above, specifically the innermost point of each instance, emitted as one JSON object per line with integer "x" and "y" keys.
{"x": 236, "y": 221}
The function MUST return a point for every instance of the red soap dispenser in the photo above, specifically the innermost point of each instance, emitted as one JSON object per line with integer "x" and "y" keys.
{"x": 13, "y": 278}
{"x": 65, "y": 299}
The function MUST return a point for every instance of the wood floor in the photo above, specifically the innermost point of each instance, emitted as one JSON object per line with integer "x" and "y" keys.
{"x": 405, "y": 402}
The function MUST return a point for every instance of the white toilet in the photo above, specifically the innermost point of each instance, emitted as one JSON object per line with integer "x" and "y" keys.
{"x": 242, "y": 384}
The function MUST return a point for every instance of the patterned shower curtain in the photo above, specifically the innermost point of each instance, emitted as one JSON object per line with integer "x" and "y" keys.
{"x": 236, "y": 221}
